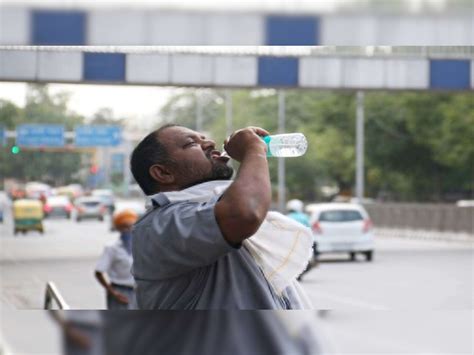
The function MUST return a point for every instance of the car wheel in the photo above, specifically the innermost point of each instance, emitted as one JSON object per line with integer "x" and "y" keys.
{"x": 315, "y": 258}
{"x": 78, "y": 219}
{"x": 315, "y": 250}
{"x": 352, "y": 256}
{"x": 101, "y": 218}
{"x": 369, "y": 255}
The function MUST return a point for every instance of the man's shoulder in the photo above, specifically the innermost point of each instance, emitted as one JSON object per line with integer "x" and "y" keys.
{"x": 110, "y": 249}
{"x": 172, "y": 208}
{"x": 162, "y": 217}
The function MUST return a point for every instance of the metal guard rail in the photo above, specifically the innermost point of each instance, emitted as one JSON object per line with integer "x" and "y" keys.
{"x": 52, "y": 294}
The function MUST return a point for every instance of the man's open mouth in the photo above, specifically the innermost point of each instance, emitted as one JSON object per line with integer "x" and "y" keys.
{"x": 217, "y": 155}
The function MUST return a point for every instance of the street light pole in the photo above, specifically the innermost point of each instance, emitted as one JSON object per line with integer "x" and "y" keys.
{"x": 281, "y": 161}
{"x": 360, "y": 146}
{"x": 228, "y": 112}
{"x": 229, "y": 116}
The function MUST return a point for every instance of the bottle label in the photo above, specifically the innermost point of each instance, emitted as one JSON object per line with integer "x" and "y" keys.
{"x": 267, "y": 140}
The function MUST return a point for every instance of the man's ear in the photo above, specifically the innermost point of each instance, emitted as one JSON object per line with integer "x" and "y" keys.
{"x": 161, "y": 174}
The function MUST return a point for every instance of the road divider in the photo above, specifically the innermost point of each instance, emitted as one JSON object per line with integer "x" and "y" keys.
{"x": 424, "y": 235}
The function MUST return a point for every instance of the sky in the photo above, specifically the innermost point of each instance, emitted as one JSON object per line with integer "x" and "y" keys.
{"x": 140, "y": 103}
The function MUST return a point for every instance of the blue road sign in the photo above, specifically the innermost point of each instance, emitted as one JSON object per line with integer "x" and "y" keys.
{"x": 40, "y": 135}
{"x": 98, "y": 135}
{"x": 3, "y": 139}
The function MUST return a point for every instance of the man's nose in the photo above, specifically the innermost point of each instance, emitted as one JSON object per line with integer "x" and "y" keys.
{"x": 206, "y": 144}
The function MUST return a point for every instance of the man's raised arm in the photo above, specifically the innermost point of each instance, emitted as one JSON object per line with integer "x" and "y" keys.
{"x": 244, "y": 205}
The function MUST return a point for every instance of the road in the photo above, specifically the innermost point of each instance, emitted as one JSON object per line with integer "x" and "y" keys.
{"x": 416, "y": 296}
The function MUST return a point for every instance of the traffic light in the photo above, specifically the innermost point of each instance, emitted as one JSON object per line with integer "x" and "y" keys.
{"x": 15, "y": 149}
{"x": 94, "y": 169}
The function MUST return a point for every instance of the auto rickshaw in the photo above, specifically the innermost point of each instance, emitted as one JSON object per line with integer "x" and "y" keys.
{"x": 27, "y": 215}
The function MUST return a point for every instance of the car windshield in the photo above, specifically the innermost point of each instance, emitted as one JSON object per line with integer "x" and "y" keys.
{"x": 105, "y": 198}
{"x": 90, "y": 204}
{"x": 86, "y": 200}
{"x": 58, "y": 199}
{"x": 102, "y": 193}
{"x": 340, "y": 216}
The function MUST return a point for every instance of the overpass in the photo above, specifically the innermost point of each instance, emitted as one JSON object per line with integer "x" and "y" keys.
{"x": 349, "y": 68}
{"x": 85, "y": 24}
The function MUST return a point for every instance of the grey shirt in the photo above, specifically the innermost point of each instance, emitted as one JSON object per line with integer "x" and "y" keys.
{"x": 208, "y": 333}
{"x": 182, "y": 261}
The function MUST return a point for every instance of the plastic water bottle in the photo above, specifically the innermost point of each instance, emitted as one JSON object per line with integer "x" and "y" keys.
{"x": 286, "y": 145}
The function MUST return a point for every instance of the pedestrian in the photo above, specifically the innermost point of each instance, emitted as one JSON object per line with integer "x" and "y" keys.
{"x": 116, "y": 262}
{"x": 209, "y": 242}
{"x": 295, "y": 211}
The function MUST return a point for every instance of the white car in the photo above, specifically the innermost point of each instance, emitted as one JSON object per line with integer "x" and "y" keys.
{"x": 35, "y": 190}
{"x": 90, "y": 207}
{"x": 342, "y": 228}
{"x": 58, "y": 206}
{"x": 107, "y": 197}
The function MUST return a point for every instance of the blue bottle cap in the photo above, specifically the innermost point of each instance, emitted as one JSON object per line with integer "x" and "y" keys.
{"x": 267, "y": 140}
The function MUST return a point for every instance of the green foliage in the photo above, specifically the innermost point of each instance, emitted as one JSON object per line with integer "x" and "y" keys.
{"x": 28, "y": 165}
{"x": 418, "y": 146}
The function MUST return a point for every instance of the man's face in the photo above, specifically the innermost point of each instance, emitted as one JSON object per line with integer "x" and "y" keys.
{"x": 195, "y": 156}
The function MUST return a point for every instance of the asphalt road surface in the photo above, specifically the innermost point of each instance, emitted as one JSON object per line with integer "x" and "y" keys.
{"x": 415, "y": 297}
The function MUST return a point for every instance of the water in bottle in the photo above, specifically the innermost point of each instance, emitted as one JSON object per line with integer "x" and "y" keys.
{"x": 286, "y": 145}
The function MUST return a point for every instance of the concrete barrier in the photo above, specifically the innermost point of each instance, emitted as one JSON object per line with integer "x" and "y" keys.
{"x": 421, "y": 234}
{"x": 424, "y": 217}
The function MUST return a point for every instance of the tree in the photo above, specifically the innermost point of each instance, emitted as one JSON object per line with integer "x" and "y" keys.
{"x": 418, "y": 146}
{"x": 37, "y": 164}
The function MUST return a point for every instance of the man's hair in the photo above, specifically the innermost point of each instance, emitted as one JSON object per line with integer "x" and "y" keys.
{"x": 148, "y": 152}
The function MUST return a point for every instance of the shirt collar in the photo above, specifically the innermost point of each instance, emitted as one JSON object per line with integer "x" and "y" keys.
{"x": 197, "y": 193}
{"x": 159, "y": 200}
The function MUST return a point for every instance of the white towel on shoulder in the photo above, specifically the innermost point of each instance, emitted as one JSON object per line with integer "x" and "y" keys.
{"x": 281, "y": 247}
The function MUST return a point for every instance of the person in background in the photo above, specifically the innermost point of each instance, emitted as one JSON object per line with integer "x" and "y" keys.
{"x": 295, "y": 211}
{"x": 116, "y": 262}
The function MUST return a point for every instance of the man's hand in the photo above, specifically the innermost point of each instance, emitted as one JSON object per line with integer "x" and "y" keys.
{"x": 245, "y": 141}
{"x": 77, "y": 337}
{"x": 119, "y": 296}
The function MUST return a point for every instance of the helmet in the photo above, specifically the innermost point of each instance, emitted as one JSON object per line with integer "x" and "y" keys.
{"x": 295, "y": 205}
{"x": 125, "y": 217}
